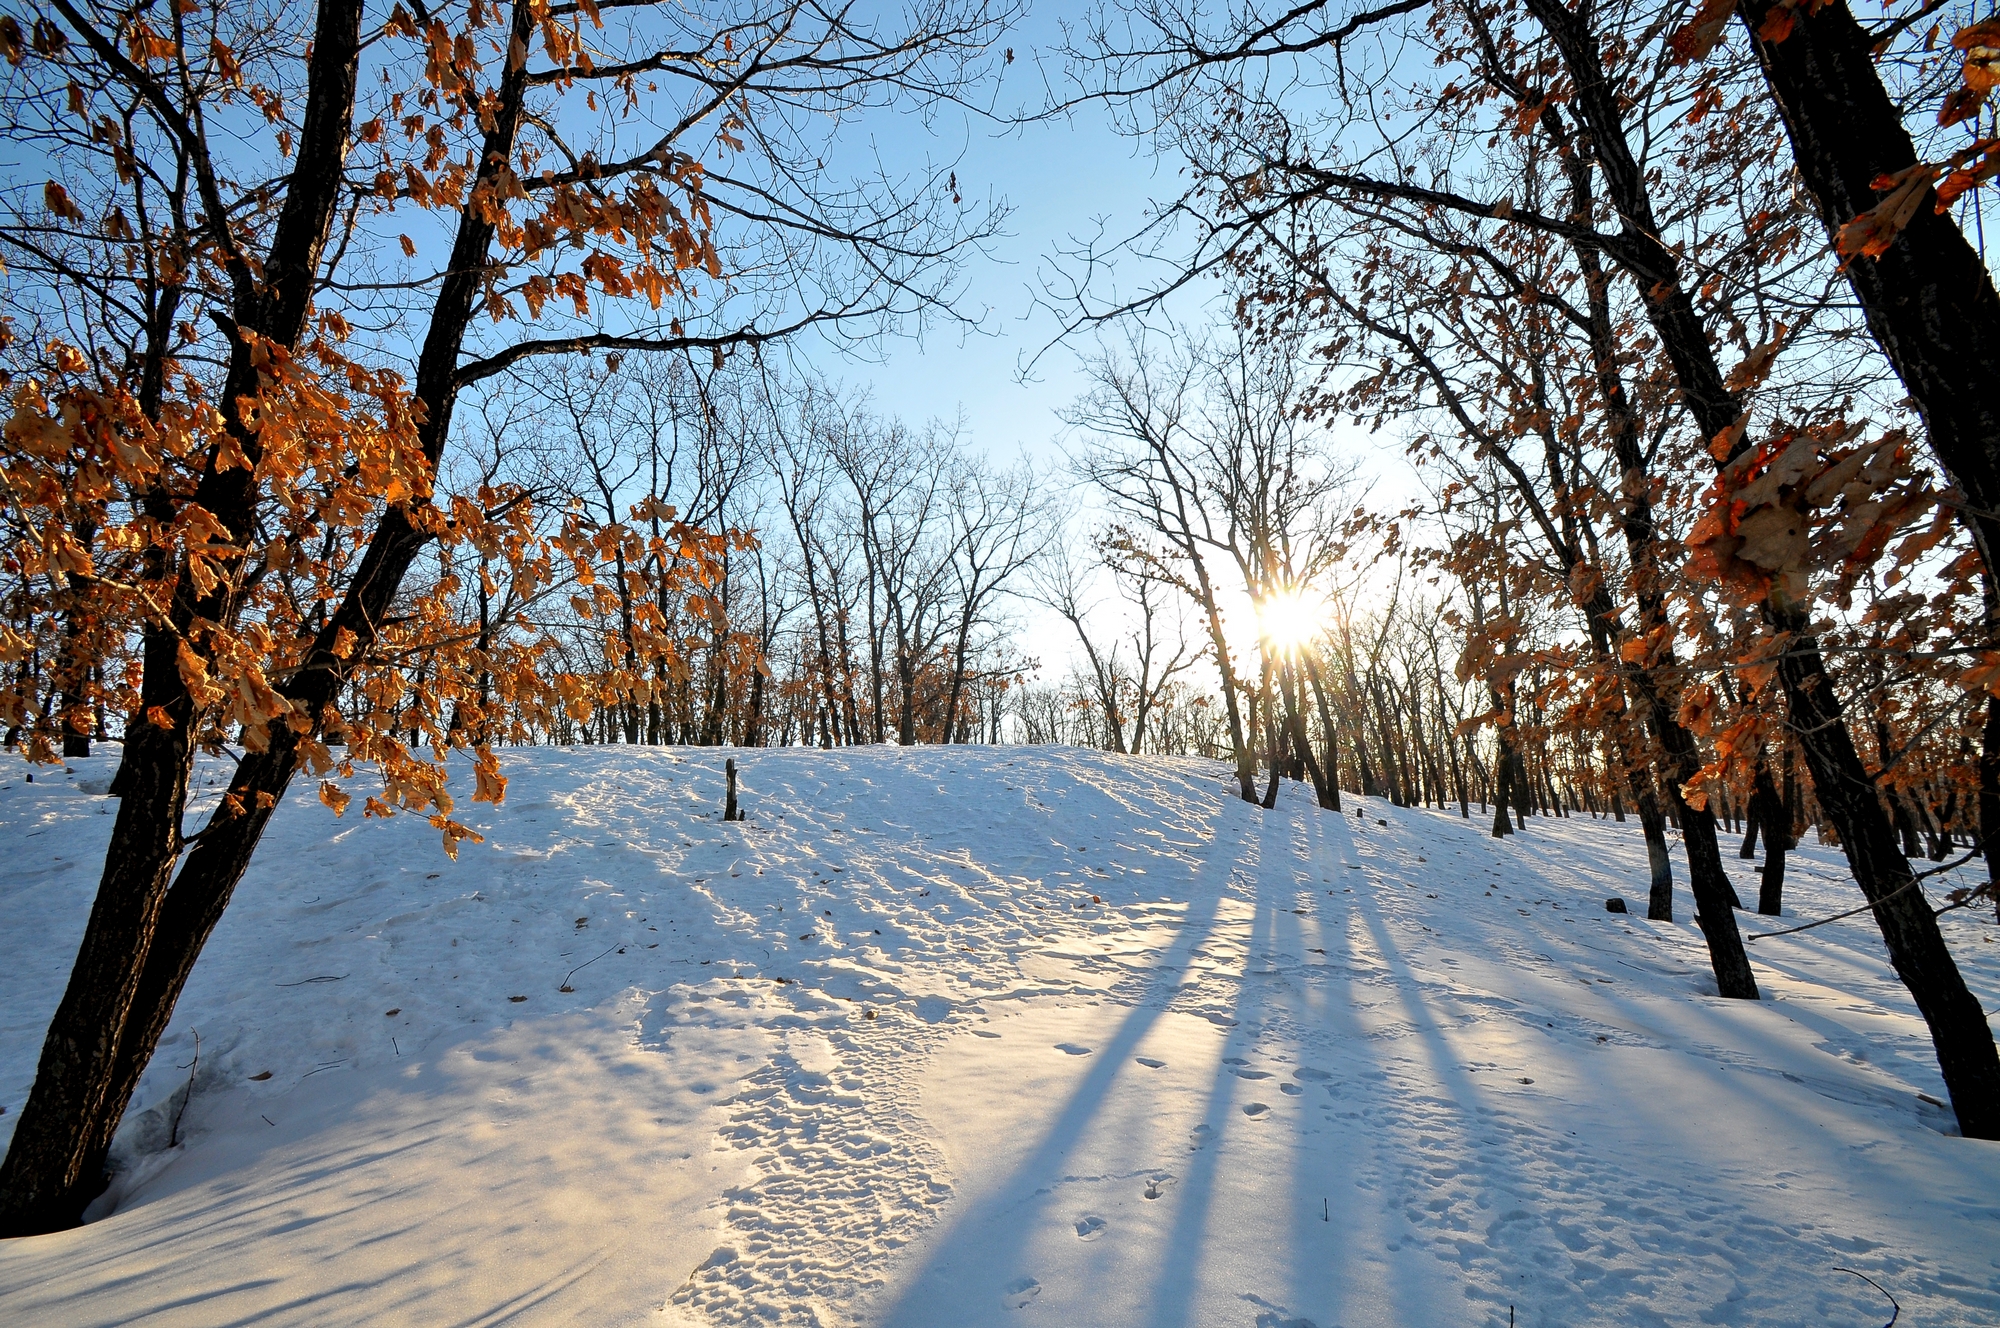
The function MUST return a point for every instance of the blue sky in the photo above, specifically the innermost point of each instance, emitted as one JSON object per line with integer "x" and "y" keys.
{"x": 1063, "y": 178}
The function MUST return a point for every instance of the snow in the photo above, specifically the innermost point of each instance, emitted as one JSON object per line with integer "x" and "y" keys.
{"x": 992, "y": 1036}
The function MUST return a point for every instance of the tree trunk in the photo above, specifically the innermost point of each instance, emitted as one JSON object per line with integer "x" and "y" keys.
{"x": 1503, "y": 772}
{"x": 1929, "y": 299}
{"x": 1523, "y": 790}
{"x": 1989, "y": 797}
{"x": 1767, "y": 808}
{"x": 1302, "y": 751}
{"x": 1274, "y": 743}
{"x": 1660, "y": 894}
{"x": 1332, "y": 734}
{"x": 1849, "y": 798}
{"x": 53, "y": 1171}
{"x": 54, "y": 1166}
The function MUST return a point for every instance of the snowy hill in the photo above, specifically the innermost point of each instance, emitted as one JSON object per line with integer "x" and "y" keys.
{"x": 992, "y": 1036}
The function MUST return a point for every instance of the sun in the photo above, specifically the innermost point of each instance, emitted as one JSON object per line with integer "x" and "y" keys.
{"x": 1290, "y": 619}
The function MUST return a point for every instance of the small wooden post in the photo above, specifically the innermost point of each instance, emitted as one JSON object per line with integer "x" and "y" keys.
{"x": 729, "y": 808}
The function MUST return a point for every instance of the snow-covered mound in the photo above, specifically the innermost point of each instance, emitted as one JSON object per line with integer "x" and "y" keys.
{"x": 991, "y": 1036}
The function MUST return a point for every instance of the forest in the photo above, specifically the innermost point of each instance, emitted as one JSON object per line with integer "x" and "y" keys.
{"x": 1527, "y": 409}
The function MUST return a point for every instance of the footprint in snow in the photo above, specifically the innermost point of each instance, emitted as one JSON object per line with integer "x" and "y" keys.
{"x": 1089, "y": 1228}
{"x": 1150, "y": 1063}
{"x": 1290, "y": 1090}
{"x": 1253, "y": 1074}
{"x": 1071, "y": 1049}
{"x": 1307, "y": 1072}
{"x": 1254, "y": 1109}
{"x": 980, "y": 1032}
{"x": 1198, "y": 1138}
{"x": 1017, "y": 1293}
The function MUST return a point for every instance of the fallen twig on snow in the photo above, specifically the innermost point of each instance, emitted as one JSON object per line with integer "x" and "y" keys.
{"x": 174, "y": 1130}
{"x": 585, "y": 964}
{"x": 1895, "y": 1309}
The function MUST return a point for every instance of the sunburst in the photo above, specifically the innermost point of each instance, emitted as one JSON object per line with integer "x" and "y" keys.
{"x": 1290, "y": 619}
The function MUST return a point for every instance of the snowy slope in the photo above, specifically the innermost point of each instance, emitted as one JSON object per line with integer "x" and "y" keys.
{"x": 992, "y": 1036}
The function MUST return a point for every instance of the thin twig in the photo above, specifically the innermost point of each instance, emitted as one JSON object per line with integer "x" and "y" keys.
{"x": 1979, "y": 896}
{"x": 1915, "y": 879}
{"x": 1976, "y": 851}
{"x": 1898, "y": 891}
{"x": 586, "y": 964}
{"x": 174, "y": 1131}
{"x": 1896, "y": 1310}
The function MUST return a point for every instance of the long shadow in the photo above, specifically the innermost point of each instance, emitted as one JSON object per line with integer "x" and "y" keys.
{"x": 1443, "y": 1064}
{"x": 1324, "y": 1271}
{"x": 1179, "y": 1263}
{"x": 1181, "y": 1256}
{"x": 974, "y": 1222}
{"x": 1671, "y": 1124}
{"x": 1354, "y": 1286}
{"x": 1752, "y": 1037}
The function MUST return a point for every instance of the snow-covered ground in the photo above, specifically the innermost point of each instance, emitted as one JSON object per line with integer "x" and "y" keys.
{"x": 992, "y": 1036}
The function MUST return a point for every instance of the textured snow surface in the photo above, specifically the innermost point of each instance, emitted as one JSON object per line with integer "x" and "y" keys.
{"x": 993, "y": 1036}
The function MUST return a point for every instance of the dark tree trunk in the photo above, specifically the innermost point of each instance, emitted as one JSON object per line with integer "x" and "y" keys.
{"x": 1771, "y": 883}
{"x": 1849, "y": 798}
{"x": 1503, "y": 775}
{"x": 54, "y": 1166}
{"x": 1767, "y": 808}
{"x": 215, "y": 866}
{"x": 1274, "y": 741}
{"x": 1660, "y": 895}
{"x": 1302, "y": 752}
{"x": 1989, "y": 796}
{"x": 1930, "y": 303}
{"x": 1332, "y": 734}
{"x": 1906, "y": 824}
{"x": 753, "y": 735}
{"x": 1929, "y": 299}
{"x": 52, "y": 1171}
{"x": 1714, "y": 893}
{"x": 1524, "y": 791}
{"x": 75, "y": 702}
